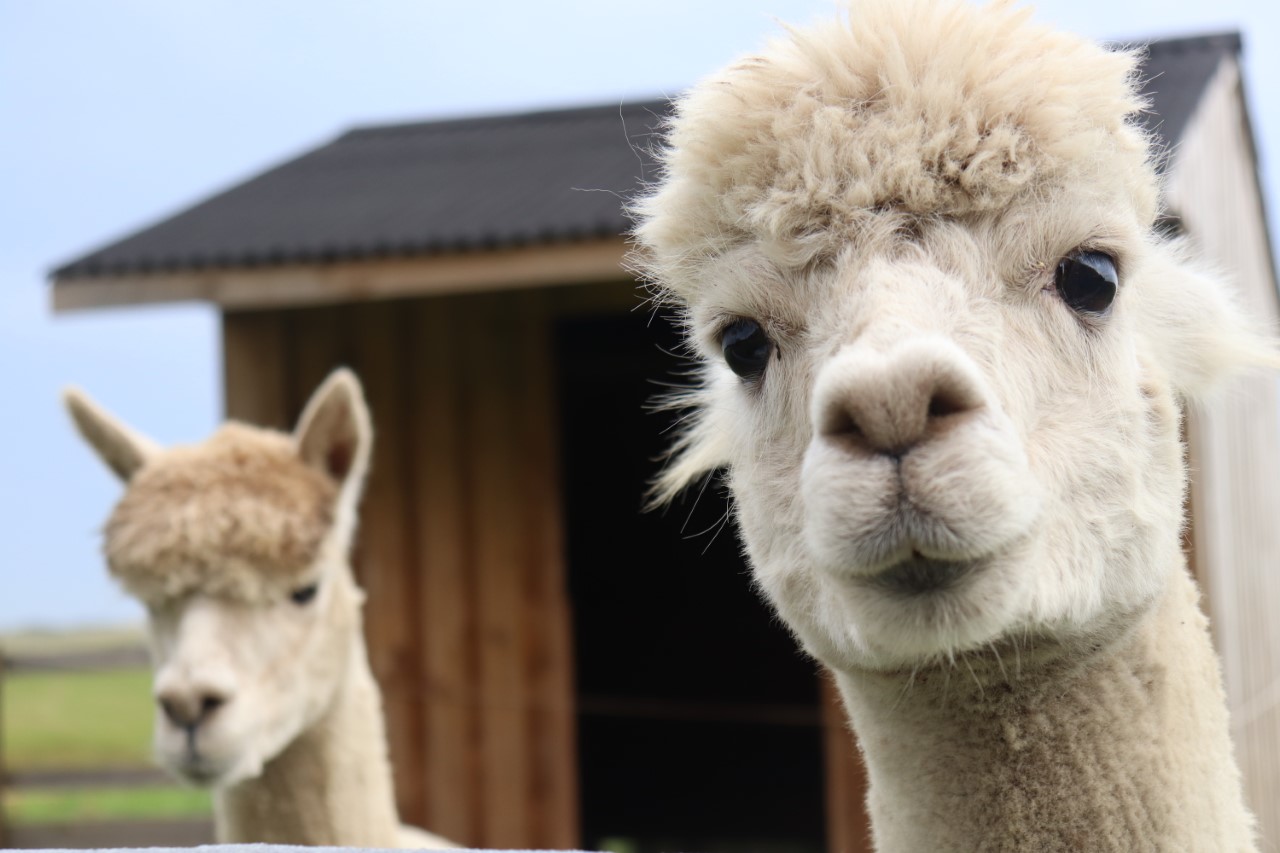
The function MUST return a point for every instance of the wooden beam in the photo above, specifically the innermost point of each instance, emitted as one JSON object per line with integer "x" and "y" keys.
{"x": 99, "y": 777}
{"x": 125, "y": 657}
{"x": 295, "y": 285}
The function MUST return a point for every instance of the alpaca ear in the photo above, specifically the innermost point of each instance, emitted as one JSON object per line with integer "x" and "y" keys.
{"x": 124, "y": 450}
{"x": 335, "y": 433}
{"x": 1197, "y": 330}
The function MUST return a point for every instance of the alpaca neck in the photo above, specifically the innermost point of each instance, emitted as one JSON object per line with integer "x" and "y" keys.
{"x": 1114, "y": 747}
{"x": 331, "y": 786}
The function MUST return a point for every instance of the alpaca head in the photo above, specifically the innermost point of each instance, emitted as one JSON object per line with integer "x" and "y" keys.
{"x": 943, "y": 349}
{"x": 239, "y": 547}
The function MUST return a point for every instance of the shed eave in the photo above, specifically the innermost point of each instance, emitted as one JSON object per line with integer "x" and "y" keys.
{"x": 297, "y": 285}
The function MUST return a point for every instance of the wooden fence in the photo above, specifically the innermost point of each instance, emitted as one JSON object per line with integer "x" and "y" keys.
{"x": 80, "y": 834}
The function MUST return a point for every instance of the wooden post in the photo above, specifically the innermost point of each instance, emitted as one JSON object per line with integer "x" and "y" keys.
{"x": 4, "y": 773}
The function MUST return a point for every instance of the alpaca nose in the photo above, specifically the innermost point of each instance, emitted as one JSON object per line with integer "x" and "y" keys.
{"x": 888, "y": 404}
{"x": 187, "y": 707}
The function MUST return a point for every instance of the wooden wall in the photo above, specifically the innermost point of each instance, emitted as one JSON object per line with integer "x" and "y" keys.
{"x": 1235, "y": 453}
{"x": 459, "y": 548}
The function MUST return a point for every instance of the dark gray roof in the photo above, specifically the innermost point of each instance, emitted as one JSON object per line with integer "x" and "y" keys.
{"x": 481, "y": 183}
{"x": 1175, "y": 75}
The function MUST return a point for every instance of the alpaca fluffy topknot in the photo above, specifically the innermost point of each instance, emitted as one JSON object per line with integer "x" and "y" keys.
{"x": 922, "y": 107}
{"x": 240, "y": 515}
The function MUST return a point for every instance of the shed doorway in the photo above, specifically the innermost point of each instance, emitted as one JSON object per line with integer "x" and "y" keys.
{"x": 699, "y": 722}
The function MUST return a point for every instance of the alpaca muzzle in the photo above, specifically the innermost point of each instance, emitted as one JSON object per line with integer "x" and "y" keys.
{"x": 913, "y": 474}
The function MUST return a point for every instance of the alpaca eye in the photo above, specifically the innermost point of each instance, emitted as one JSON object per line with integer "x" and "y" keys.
{"x": 746, "y": 348}
{"x": 304, "y": 594}
{"x": 1087, "y": 282}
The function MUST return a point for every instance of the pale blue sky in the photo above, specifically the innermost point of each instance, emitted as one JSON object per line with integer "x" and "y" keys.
{"x": 115, "y": 113}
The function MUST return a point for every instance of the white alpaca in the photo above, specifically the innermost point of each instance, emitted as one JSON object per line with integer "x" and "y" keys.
{"x": 944, "y": 355}
{"x": 239, "y": 548}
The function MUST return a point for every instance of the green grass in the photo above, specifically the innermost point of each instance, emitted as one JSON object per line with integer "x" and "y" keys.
{"x": 76, "y": 719}
{"x": 30, "y": 807}
{"x": 82, "y": 721}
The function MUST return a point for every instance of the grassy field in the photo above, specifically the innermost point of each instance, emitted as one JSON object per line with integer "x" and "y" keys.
{"x": 80, "y": 721}
{"x": 28, "y": 807}
{"x": 77, "y": 719}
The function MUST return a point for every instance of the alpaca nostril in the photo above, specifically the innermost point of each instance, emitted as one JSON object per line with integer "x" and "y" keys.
{"x": 943, "y": 404}
{"x": 840, "y": 422}
{"x": 209, "y": 704}
{"x": 172, "y": 712}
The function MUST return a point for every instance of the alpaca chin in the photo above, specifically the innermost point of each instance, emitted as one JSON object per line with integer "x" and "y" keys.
{"x": 206, "y": 770}
{"x": 904, "y": 620}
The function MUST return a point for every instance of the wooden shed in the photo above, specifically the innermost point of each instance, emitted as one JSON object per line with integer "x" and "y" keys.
{"x": 560, "y": 669}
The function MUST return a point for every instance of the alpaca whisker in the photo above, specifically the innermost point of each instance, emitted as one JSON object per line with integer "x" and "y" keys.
{"x": 705, "y": 481}
{"x": 906, "y": 688}
{"x": 724, "y": 522}
{"x": 965, "y": 658}
{"x": 995, "y": 650}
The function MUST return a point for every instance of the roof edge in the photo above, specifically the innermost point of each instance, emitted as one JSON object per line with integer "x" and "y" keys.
{"x": 302, "y": 284}
{"x": 481, "y": 121}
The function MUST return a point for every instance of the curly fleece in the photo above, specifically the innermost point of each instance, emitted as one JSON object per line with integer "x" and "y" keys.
{"x": 239, "y": 515}
{"x": 801, "y": 146}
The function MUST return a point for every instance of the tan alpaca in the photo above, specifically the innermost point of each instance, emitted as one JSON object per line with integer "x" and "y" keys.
{"x": 239, "y": 548}
{"x": 944, "y": 354}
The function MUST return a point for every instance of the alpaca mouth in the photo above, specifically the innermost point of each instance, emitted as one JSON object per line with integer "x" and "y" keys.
{"x": 195, "y": 767}
{"x": 198, "y": 771}
{"x": 920, "y": 575}
{"x": 200, "y": 775}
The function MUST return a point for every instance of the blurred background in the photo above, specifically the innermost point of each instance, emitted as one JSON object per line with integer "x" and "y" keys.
{"x": 120, "y": 113}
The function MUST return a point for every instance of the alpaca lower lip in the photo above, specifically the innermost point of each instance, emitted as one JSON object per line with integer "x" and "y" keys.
{"x": 919, "y": 575}
{"x": 198, "y": 773}
{"x": 197, "y": 768}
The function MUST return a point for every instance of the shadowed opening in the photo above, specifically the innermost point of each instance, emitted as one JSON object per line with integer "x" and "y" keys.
{"x": 699, "y": 724}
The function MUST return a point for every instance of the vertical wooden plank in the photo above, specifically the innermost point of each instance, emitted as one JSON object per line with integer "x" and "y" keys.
{"x": 365, "y": 338}
{"x": 525, "y": 716}
{"x": 848, "y": 825}
{"x": 446, "y": 585}
{"x": 255, "y": 368}
{"x": 550, "y": 724}
{"x": 385, "y": 547}
{"x": 495, "y": 371}
{"x": 319, "y": 342}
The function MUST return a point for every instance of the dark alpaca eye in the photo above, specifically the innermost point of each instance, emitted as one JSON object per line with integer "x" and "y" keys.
{"x": 304, "y": 594}
{"x": 1087, "y": 282}
{"x": 746, "y": 348}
